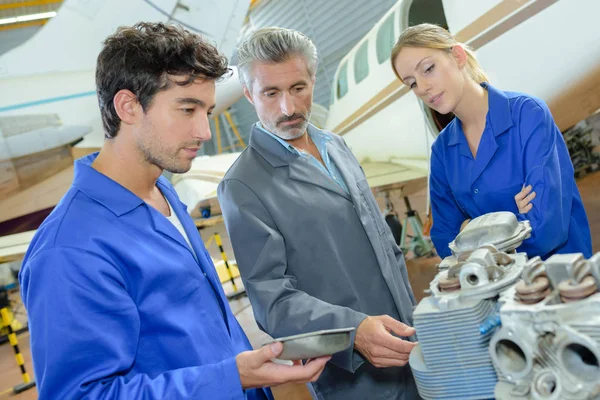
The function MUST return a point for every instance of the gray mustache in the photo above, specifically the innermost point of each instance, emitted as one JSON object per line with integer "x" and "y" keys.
{"x": 291, "y": 118}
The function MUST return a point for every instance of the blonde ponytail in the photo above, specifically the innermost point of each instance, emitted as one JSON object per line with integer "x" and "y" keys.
{"x": 473, "y": 68}
{"x": 435, "y": 37}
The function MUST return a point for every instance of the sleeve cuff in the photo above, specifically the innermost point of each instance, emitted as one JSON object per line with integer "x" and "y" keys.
{"x": 231, "y": 376}
{"x": 350, "y": 359}
{"x": 357, "y": 360}
{"x": 521, "y": 217}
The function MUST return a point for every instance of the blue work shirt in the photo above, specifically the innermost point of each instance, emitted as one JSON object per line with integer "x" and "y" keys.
{"x": 320, "y": 139}
{"x": 521, "y": 145}
{"x": 118, "y": 306}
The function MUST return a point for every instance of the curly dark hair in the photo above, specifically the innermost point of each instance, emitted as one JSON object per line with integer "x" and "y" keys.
{"x": 140, "y": 59}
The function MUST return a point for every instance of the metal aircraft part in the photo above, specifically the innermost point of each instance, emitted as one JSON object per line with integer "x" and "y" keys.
{"x": 455, "y": 324}
{"x": 502, "y": 229}
{"x": 549, "y": 343}
{"x": 498, "y": 325}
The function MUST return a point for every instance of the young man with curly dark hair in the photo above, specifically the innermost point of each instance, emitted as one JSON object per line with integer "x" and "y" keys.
{"x": 122, "y": 297}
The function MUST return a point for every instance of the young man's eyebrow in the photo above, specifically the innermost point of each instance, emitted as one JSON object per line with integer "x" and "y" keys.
{"x": 191, "y": 100}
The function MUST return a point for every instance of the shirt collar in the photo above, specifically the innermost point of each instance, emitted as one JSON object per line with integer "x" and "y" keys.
{"x": 102, "y": 189}
{"x": 499, "y": 114}
{"x": 285, "y": 144}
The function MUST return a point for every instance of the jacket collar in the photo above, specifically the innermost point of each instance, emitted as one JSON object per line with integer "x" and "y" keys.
{"x": 499, "y": 115}
{"x": 102, "y": 189}
{"x": 279, "y": 156}
{"x": 276, "y": 152}
{"x": 269, "y": 148}
{"x": 121, "y": 201}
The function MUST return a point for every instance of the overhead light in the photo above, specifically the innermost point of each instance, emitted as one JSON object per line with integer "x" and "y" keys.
{"x": 30, "y": 17}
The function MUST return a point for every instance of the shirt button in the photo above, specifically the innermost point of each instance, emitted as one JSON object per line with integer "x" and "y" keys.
{"x": 205, "y": 274}
{"x": 476, "y": 191}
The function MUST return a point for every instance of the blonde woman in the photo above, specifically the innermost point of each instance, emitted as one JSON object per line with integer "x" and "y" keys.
{"x": 502, "y": 152}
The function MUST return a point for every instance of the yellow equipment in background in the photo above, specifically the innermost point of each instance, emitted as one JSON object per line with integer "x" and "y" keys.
{"x": 226, "y": 270}
{"x": 7, "y": 321}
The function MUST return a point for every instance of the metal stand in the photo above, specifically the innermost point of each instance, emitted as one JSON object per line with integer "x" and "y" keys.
{"x": 418, "y": 244}
{"x": 392, "y": 220}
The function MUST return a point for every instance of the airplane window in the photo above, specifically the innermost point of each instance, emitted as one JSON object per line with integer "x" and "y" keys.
{"x": 385, "y": 39}
{"x": 361, "y": 62}
{"x": 342, "y": 81}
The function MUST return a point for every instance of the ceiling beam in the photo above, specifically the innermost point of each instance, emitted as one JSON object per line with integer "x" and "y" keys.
{"x": 22, "y": 25}
{"x": 31, "y": 3}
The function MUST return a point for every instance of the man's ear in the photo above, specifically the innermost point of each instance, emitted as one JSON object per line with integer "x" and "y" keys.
{"x": 248, "y": 95}
{"x": 127, "y": 106}
{"x": 460, "y": 56}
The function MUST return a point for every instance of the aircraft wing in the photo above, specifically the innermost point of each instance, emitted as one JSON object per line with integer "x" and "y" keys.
{"x": 13, "y": 247}
{"x": 197, "y": 188}
{"x": 24, "y": 135}
{"x": 385, "y": 176}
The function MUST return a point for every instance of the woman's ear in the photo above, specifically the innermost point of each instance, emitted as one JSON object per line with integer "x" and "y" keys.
{"x": 459, "y": 54}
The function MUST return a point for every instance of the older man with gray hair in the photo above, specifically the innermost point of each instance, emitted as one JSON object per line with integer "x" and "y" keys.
{"x": 312, "y": 246}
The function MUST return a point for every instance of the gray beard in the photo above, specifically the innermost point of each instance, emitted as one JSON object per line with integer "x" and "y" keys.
{"x": 285, "y": 135}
